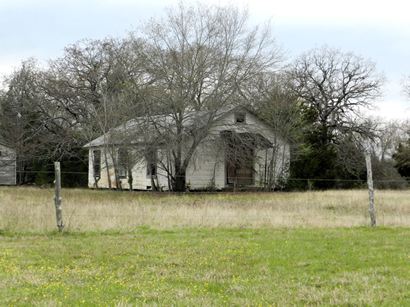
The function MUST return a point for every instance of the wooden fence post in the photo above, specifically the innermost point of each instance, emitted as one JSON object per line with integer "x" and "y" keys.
{"x": 57, "y": 196}
{"x": 372, "y": 210}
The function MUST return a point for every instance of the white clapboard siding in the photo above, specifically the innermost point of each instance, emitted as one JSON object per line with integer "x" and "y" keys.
{"x": 7, "y": 166}
{"x": 207, "y": 167}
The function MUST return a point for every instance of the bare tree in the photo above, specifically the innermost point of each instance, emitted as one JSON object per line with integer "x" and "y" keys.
{"x": 334, "y": 87}
{"x": 279, "y": 108}
{"x": 389, "y": 134}
{"x": 198, "y": 58}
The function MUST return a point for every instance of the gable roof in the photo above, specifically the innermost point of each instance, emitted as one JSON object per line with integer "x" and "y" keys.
{"x": 192, "y": 118}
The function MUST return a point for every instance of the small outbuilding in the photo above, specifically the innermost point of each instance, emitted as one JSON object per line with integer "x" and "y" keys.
{"x": 7, "y": 164}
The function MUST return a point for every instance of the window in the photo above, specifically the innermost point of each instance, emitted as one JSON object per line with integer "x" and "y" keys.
{"x": 97, "y": 163}
{"x": 240, "y": 118}
{"x": 151, "y": 163}
{"x": 122, "y": 163}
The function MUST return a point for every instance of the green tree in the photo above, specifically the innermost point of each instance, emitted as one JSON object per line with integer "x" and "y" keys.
{"x": 21, "y": 122}
{"x": 402, "y": 159}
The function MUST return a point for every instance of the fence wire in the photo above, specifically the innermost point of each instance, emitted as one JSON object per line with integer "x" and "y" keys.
{"x": 202, "y": 183}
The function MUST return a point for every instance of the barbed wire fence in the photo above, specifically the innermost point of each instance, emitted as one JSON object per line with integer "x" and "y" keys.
{"x": 204, "y": 180}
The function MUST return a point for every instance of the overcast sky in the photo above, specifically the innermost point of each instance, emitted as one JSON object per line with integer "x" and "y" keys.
{"x": 379, "y": 30}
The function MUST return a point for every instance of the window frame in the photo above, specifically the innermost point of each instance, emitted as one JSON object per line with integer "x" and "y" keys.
{"x": 240, "y": 115}
{"x": 152, "y": 163}
{"x": 122, "y": 163}
{"x": 97, "y": 157}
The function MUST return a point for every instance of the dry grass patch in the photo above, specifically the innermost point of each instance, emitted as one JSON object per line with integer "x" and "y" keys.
{"x": 32, "y": 209}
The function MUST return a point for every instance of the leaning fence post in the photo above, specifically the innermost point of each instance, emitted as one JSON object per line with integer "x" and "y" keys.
{"x": 372, "y": 210}
{"x": 57, "y": 196}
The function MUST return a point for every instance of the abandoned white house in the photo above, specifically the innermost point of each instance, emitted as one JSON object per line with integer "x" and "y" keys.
{"x": 239, "y": 149}
{"x": 7, "y": 164}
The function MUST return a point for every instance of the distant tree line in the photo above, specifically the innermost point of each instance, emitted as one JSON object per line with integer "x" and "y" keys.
{"x": 201, "y": 59}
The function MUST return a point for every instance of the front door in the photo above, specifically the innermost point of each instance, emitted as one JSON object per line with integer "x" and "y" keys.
{"x": 239, "y": 167}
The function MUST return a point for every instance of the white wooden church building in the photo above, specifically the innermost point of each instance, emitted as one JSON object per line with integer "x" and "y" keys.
{"x": 263, "y": 162}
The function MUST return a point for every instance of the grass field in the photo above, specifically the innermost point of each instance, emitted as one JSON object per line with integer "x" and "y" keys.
{"x": 357, "y": 266}
{"x": 32, "y": 210}
{"x": 125, "y": 249}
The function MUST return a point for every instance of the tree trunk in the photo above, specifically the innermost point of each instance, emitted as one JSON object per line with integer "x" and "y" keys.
{"x": 180, "y": 181}
{"x": 96, "y": 179}
{"x": 169, "y": 172}
{"x": 130, "y": 179}
{"x": 118, "y": 184}
{"x": 107, "y": 169}
{"x": 154, "y": 186}
{"x": 114, "y": 159}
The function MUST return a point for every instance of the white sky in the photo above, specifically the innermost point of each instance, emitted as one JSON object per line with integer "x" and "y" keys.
{"x": 379, "y": 30}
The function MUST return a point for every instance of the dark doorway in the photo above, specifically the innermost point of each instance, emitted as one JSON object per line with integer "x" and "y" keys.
{"x": 239, "y": 160}
{"x": 239, "y": 170}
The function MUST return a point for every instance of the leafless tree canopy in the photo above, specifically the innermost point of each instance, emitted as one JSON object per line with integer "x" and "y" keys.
{"x": 334, "y": 87}
{"x": 198, "y": 58}
{"x": 202, "y": 55}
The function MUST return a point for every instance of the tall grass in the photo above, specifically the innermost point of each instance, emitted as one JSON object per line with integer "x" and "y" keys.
{"x": 32, "y": 209}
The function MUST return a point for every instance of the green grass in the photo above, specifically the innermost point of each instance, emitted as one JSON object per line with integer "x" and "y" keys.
{"x": 199, "y": 266}
{"x": 120, "y": 249}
